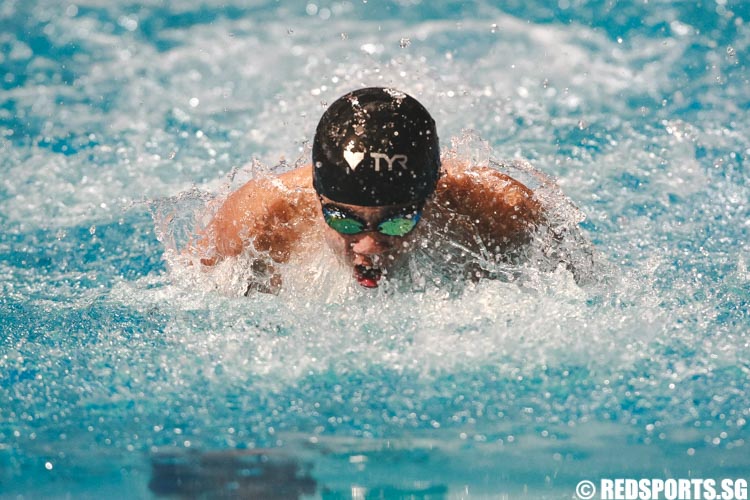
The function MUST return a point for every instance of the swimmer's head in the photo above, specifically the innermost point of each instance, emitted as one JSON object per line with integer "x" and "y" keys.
{"x": 376, "y": 147}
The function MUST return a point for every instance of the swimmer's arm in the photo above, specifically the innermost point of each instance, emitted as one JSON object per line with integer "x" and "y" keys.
{"x": 222, "y": 237}
{"x": 502, "y": 211}
{"x": 262, "y": 211}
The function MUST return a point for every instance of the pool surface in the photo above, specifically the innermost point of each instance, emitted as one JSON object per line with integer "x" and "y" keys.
{"x": 125, "y": 374}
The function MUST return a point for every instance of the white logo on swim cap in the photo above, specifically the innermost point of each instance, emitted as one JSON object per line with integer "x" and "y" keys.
{"x": 400, "y": 159}
{"x": 353, "y": 159}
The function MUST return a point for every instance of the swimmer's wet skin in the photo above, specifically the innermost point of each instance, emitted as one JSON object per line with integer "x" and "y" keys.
{"x": 376, "y": 186}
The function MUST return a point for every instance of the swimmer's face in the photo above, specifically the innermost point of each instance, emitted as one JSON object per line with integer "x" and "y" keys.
{"x": 367, "y": 238}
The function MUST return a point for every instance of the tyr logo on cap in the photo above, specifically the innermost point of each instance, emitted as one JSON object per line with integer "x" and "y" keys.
{"x": 401, "y": 159}
{"x": 354, "y": 159}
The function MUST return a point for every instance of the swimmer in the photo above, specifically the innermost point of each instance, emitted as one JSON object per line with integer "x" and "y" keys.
{"x": 376, "y": 189}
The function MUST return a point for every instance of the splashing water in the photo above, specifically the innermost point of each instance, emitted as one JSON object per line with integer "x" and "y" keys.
{"x": 118, "y": 362}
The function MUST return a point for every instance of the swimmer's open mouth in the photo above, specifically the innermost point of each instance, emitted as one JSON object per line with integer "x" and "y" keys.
{"x": 367, "y": 276}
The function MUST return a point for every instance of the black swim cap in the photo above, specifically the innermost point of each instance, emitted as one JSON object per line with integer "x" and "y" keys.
{"x": 374, "y": 147}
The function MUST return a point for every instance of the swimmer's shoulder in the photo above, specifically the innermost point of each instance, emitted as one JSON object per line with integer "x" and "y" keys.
{"x": 500, "y": 207}
{"x": 269, "y": 209}
{"x": 271, "y": 192}
{"x": 477, "y": 185}
{"x": 290, "y": 197}
{"x": 267, "y": 187}
{"x": 300, "y": 177}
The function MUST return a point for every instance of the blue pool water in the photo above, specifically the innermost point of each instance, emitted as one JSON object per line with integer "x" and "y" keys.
{"x": 126, "y": 374}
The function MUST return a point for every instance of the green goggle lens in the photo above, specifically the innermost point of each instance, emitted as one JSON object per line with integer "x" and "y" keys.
{"x": 344, "y": 225}
{"x": 398, "y": 225}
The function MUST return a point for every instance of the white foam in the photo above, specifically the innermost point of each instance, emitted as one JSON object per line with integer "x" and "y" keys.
{"x": 663, "y": 195}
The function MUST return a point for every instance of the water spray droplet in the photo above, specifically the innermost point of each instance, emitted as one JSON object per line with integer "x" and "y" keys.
{"x": 404, "y": 42}
{"x": 493, "y": 28}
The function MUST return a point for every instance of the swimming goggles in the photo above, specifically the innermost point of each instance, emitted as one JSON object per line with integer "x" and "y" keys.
{"x": 394, "y": 225}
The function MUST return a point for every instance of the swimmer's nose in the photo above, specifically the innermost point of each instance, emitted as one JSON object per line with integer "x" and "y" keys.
{"x": 368, "y": 245}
